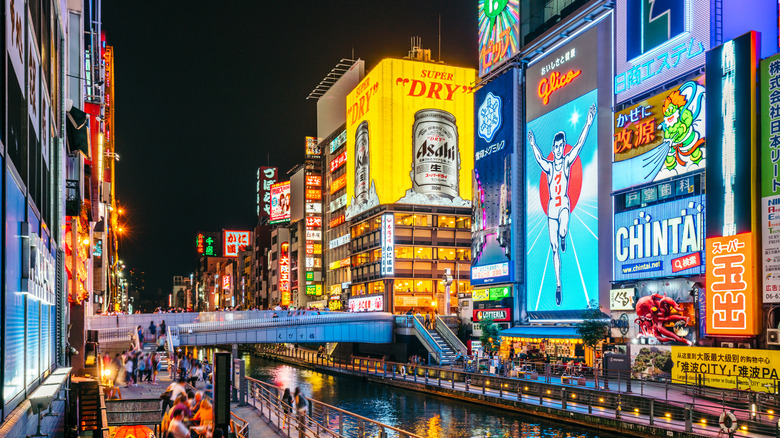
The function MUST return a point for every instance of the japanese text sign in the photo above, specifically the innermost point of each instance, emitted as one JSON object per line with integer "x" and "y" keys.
{"x": 284, "y": 267}
{"x": 266, "y": 177}
{"x": 234, "y": 241}
{"x": 727, "y": 368}
{"x": 732, "y": 304}
{"x": 366, "y": 304}
{"x": 499, "y": 32}
{"x": 388, "y": 244}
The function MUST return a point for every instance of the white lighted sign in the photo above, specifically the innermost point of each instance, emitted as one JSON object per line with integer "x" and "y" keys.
{"x": 621, "y": 299}
{"x": 388, "y": 241}
{"x": 313, "y": 207}
{"x": 366, "y": 304}
{"x": 490, "y": 271}
{"x": 339, "y": 202}
{"x": 313, "y": 235}
{"x": 337, "y": 242}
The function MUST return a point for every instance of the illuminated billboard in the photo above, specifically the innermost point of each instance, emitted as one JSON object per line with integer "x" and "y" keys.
{"x": 499, "y": 32}
{"x": 660, "y": 240}
{"x": 657, "y": 42}
{"x": 313, "y": 146}
{"x": 661, "y": 137}
{"x": 410, "y": 136}
{"x": 280, "y": 202}
{"x": 770, "y": 177}
{"x": 266, "y": 177}
{"x": 233, "y": 242}
{"x": 494, "y": 145}
{"x": 284, "y": 271}
{"x": 732, "y": 308}
{"x": 567, "y": 112}
{"x": 366, "y": 304}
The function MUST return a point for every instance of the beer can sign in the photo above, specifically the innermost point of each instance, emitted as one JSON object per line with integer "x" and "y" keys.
{"x": 435, "y": 154}
{"x": 362, "y": 163}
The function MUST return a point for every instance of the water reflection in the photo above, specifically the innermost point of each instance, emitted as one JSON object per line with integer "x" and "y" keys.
{"x": 427, "y": 416}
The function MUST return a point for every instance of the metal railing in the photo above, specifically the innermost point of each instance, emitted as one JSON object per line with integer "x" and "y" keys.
{"x": 283, "y": 320}
{"x": 120, "y": 334}
{"x": 239, "y": 426}
{"x": 318, "y": 420}
{"x": 449, "y": 337}
{"x": 669, "y": 404}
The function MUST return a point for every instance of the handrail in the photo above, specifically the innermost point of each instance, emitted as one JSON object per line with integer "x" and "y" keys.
{"x": 294, "y": 320}
{"x": 118, "y": 334}
{"x": 759, "y": 417}
{"x": 242, "y": 431}
{"x": 427, "y": 339}
{"x": 327, "y": 409}
{"x": 444, "y": 330}
{"x": 172, "y": 339}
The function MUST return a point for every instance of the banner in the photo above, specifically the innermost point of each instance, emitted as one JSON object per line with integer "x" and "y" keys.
{"x": 727, "y": 368}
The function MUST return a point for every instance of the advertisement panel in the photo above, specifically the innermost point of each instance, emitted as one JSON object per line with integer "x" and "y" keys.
{"x": 234, "y": 241}
{"x": 664, "y": 312}
{"x": 313, "y": 146}
{"x": 366, "y": 304}
{"x": 313, "y": 181}
{"x": 492, "y": 294}
{"x": 339, "y": 161}
{"x": 266, "y": 177}
{"x": 498, "y": 315}
{"x": 621, "y": 299}
{"x": 660, "y": 240}
{"x": 568, "y": 112}
{"x": 733, "y": 309}
{"x": 770, "y": 177}
{"x": 284, "y": 272}
{"x": 494, "y": 145}
{"x": 338, "y": 184}
{"x": 657, "y": 42}
{"x": 280, "y": 202}
{"x": 480, "y": 295}
{"x": 731, "y": 132}
{"x": 727, "y": 368}
{"x": 314, "y": 221}
{"x": 661, "y": 137}
{"x": 387, "y": 268}
{"x": 410, "y": 136}
{"x": 499, "y": 32}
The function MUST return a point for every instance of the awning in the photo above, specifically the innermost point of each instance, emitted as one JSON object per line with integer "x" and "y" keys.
{"x": 550, "y": 332}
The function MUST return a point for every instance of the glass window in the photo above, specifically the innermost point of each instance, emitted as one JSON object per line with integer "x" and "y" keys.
{"x": 358, "y": 289}
{"x": 446, "y": 254}
{"x": 404, "y": 219}
{"x": 463, "y": 254}
{"x": 376, "y": 287}
{"x": 403, "y": 285}
{"x": 376, "y": 255}
{"x": 404, "y": 252}
{"x": 361, "y": 259}
{"x": 376, "y": 223}
{"x": 423, "y": 286}
{"x": 463, "y": 222}
{"x": 423, "y": 253}
{"x": 457, "y": 286}
{"x": 446, "y": 221}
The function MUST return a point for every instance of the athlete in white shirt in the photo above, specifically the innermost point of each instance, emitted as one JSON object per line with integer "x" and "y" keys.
{"x": 559, "y": 206}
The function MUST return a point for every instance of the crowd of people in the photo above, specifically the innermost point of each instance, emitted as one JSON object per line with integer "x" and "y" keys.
{"x": 188, "y": 413}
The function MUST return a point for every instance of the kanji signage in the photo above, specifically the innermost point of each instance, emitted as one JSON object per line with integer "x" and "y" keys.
{"x": 733, "y": 307}
{"x": 284, "y": 268}
{"x": 314, "y": 221}
{"x": 388, "y": 244}
{"x": 314, "y": 180}
{"x": 366, "y": 304}
{"x": 234, "y": 241}
{"x": 621, "y": 299}
{"x": 313, "y": 194}
{"x": 266, "y": 177}
{"x": 770, "y": 177}
{"x": 338, "y": 184}
{"x": 727, "y": 368}
{"x": 339, "y": 161}
{"x": 336, "y": 221}
{"x": 207, "y": 244}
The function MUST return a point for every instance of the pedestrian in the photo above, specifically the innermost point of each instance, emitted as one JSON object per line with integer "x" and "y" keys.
{"x": 140, "y": 337}
{"x": 152, "y": 330}
{"x": 287, "y": 402}
{"x": 300, "y": 408}
{"x": 182, "y": 366}
{"x": 128, "y": 373}
{"x": 433, "y": 320}
{"x": 141, "y": 368}
{"x": 155, "y": 367}
{"x": 427, "y": 320}
{"x": 162, "y": 328}
{"x": 177, "y": 429}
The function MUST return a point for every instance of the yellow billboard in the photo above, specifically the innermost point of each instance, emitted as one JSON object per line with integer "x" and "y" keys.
{"x": 727, "y": 368}
{"x": 410, "y": 133}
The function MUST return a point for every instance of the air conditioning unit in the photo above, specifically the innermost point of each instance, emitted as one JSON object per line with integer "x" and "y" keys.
{"x": 773, "y": 336}
{"x": 743, "y": 345}
{"x": 726, "y": 345}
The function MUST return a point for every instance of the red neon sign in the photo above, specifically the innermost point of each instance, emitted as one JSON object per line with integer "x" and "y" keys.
{"x": 235, "y": 241}
{"x": 336, "y": 221}
{"x": 556, "y": 82}
{"x": 314, "y": 221}
{"x": 284, "y": 268}
{"x": 313, "y": 180}
{"x": 338, "y": 161}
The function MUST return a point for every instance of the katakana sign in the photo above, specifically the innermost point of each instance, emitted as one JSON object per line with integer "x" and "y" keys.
{"x": 732, "y": 304}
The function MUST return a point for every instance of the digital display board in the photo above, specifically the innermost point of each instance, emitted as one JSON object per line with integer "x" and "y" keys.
{"x": 565, "y": 113}
{"x": 266, "y": 177}
{"x": 499, "y": 32}
{"x": 280, "y": 202}
{"x": 661, "y": 137}
{"x": 494, "y": 145}
{"x": 770, "y": 177}
{"x": 660, "y": 240}
{"x": 658, "y": 41}
{"x": 233, "y": 242}
{"x": 410, "y": 136}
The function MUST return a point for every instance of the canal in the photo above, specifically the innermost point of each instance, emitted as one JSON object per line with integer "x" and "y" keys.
{"x": 424, "y": 415}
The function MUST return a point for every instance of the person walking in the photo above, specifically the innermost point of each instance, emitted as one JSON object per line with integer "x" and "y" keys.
{"x": 300, "y": 408}
{"x": 427, "y": 320}
{"x": 152, "y": 331}
{"x": 287, "y": 402}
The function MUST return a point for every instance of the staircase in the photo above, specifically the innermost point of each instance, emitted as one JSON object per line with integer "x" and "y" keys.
{"x": 447, "y": 353}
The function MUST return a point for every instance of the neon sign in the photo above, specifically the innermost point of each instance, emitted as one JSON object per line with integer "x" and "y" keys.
{"x": 235, "y": 241}
{"x": 284, "y": 268}
{"x": 556, "y": 82}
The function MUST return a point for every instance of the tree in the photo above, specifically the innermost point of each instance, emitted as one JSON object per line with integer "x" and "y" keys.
{"x": 593, "y": 329}
{"x": 490, "y": 335}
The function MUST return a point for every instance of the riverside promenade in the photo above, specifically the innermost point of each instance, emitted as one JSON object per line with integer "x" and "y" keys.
{"x": 645, "y": 410}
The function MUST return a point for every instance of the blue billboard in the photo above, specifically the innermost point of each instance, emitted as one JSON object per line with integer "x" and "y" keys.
{"x": 495, "y": 137}
{"x": 661, "y": 240}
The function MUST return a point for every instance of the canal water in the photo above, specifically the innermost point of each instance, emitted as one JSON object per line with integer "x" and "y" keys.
{"x": 424, "y": 415}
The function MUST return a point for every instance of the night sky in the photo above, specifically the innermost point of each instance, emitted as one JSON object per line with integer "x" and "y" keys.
{"x": 208, "y": 91}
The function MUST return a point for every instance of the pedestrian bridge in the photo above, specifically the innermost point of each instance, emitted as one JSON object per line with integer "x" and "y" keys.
{"x": 249, "y": 327}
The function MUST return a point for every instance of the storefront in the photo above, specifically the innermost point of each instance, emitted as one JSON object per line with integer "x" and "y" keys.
{"x": 543, "y": 344}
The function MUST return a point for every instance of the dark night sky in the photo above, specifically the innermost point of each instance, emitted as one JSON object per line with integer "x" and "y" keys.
{"x": 206, "y": 91}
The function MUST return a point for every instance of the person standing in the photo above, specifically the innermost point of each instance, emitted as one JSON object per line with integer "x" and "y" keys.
{"x": 152, "y": 331}
{"x": 177, "y": 429}
{"x": 287, "y": 402}
{"x": 163, "y": 328}
{"x": 300, "y": 408}
{"x": 427, "y": 320}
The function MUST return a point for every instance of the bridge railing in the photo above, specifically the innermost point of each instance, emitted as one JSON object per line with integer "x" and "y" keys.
{"x": 284, "y": 320}
{"x": 112, "y": 335}
{"x": 320, "y": 419}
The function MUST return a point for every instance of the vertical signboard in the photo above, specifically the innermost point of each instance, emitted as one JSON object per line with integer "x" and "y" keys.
{"x": 284, "y": 272}
{"x": 280, "y": 202}
{"x": 388, "y": 244}
{"x": 770, "y": 177}
{"x": 234, "y": 241}
{"x": 499, "y": 32}
{"x": 562, "y": 177}
{"x": 266, "y": 177}
{"x": 657, "y": 42}
{"x": 491, "y": 203}
{"x": 733, "y": 304}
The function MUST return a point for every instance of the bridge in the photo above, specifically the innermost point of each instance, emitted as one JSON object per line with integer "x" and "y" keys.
{"x": 250, "y": 327}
